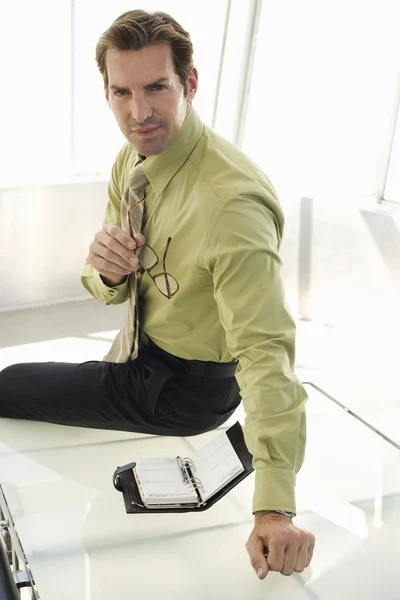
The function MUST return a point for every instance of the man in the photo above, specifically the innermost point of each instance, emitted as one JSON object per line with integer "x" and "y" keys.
{"x": 191, "y": 237}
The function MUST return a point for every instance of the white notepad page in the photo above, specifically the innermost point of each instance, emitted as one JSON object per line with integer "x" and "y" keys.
{"x": 216, "y": 465}
{"x": 161, "y": 482}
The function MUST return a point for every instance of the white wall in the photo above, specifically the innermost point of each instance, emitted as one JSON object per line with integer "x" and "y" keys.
{"x": 44, "y": 237}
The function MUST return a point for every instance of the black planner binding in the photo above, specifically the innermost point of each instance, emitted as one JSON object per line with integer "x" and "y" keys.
{"x": 124, "y": 481}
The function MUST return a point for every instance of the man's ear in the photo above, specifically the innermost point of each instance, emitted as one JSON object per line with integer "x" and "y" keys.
{"x": 192, "y": 84}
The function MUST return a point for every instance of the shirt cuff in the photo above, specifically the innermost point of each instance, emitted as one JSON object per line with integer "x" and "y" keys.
{"x": 92, "y": 281}
{"x": 274, "y": 490}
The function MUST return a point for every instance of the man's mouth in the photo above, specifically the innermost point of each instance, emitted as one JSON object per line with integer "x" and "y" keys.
{"x": 146, "y": 131}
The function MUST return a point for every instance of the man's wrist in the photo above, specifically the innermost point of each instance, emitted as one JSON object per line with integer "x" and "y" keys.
{"x": 113, "y": 283}
{"x": 278, "y": 513}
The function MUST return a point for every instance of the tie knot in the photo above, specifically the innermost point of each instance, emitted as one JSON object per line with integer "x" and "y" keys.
{"x": 137, "y": 179}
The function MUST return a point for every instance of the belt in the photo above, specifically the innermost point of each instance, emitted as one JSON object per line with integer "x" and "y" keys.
{"x": 197, "y": 368}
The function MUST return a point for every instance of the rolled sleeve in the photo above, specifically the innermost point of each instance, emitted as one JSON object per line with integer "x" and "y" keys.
{"x": 243, "y": 258}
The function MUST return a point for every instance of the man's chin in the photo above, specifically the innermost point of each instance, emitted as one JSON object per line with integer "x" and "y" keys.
{"x": 147, "y": 149}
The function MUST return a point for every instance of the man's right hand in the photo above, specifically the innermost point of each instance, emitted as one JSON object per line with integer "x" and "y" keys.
{"x": 113, "y": 254}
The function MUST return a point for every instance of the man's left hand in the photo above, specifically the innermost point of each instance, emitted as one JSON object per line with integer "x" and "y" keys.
{"x": 275, "y": 544}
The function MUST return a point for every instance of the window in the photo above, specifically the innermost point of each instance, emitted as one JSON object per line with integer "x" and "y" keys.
{"x": 392, "y": 187}
{"x": 35, "y": 120}
{"x": 321, "y": 96}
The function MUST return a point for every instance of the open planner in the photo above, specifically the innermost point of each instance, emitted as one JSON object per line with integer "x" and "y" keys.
{"x": 182, "y": 484}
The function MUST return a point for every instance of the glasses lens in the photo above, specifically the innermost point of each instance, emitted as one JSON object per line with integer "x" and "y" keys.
{"x": 161, "y": 283}
{"x": 147, "y": 257}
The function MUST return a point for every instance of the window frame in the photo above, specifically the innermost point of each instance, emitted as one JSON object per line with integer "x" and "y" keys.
{"x": 387, "y": 157}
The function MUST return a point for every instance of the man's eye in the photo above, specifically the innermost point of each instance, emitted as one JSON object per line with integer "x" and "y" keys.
{"x": 158, "y": 87}
{"x": 121, "y": 92}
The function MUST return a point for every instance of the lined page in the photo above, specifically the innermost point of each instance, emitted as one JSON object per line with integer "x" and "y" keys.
{"x": 161, "y": 482}
{"x": 216, "y": 465}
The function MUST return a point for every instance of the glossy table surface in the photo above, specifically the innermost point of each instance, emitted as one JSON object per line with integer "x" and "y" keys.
{"x": 81, "y": 545}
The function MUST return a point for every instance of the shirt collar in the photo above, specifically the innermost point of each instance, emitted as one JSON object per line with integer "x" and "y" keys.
{"x": 160, "y": 168}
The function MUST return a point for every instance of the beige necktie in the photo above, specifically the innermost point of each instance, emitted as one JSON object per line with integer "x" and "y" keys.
{"x": 125, "y": 345}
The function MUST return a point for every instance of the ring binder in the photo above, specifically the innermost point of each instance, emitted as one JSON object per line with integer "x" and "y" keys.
{"x": 196, "y": 482}
{"x": 188, "y": 461}
{"x": 181, "y": 466}
{"x": 125, "y": 480}
{"x": 197, "y": 485}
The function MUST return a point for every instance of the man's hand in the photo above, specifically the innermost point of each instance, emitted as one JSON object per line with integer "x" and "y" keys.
{"x": 113, "y": 254}
{"x": 288, "y": 548}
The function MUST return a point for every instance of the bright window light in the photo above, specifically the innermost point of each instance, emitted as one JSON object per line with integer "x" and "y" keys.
{"x": 35, "y": 124}
{"x": 392, "y": 188}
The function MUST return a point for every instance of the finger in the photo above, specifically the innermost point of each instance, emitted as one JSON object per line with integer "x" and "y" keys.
{"x": 310, "y": 550}
{"x": 103, "y": 253}
{"x": 290, "y": 558}
{"x": 106, "y": 246}
{"x": 301, "y": 559}
{"x": 303, "y": 555}
{"x": 276, "y": 551}
{"x": 256, "y": 548}
{"x": 119, "y": 234}
{"x": 103, "y": 266}
{"x": 139, "y": 239}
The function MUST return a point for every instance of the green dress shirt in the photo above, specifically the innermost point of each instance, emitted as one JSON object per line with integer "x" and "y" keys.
{"x": 226, "y": 225}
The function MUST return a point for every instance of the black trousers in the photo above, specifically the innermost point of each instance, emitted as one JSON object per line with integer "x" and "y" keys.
{"x": 157, "y": 393}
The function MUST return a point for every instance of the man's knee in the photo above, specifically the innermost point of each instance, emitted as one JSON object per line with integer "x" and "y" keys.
{"x": 10, "y": 379}
{"x": 10, "y": 373}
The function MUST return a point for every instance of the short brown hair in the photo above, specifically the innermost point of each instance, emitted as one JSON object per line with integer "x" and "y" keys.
{"x": 136, "y": 29}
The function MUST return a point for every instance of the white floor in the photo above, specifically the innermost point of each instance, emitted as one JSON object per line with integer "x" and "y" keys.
{"x": 81, "y": 545}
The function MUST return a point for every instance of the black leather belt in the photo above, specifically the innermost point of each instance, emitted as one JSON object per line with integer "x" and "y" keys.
{"x": 197, "y": 368}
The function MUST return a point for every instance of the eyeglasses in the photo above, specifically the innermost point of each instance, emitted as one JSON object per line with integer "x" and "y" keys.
{"x": 148, "y": 259}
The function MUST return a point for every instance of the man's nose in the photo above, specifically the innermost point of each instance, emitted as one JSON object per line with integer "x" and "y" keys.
{"x": 140, "y": 108}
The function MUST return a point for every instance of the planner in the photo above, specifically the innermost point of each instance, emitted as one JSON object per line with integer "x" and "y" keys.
{"x": 181, "y": 484}
{"x": 164, "y": 481}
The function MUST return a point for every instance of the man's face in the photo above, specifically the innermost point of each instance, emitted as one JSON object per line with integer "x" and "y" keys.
{"x": 147, "y": 97}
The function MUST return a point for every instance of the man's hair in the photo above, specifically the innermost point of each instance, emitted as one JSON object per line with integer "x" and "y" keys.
{"x": 136, "y": 29}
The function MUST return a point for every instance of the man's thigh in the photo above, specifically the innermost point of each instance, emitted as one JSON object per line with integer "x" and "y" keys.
{"x": 94, "y": 394}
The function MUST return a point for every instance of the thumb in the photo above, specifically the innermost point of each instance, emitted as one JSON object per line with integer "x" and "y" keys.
{"x": 139, "y": 239}
{"x": 256, "y": 550}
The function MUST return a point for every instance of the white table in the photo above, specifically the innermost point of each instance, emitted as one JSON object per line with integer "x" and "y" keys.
{"x": 81, "y": 545}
